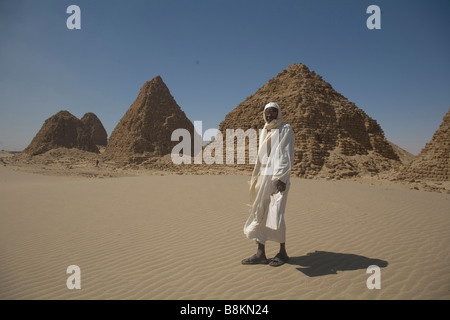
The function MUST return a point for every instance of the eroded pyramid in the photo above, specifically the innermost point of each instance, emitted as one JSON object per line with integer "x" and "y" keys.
{"x": 333, "y": 136}
{"x": 433, "y": 162}
{"x": 95, "y": 129}
{"x": 145, "y": 130}
{"x": 61, "y": 130}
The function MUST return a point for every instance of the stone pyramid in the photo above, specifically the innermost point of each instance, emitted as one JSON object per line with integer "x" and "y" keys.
{"x": 333, "y": 136}
{"x": 95, "y": 129}
{"x": 433, "y": 162}
{"x": 61, "y": 130}
{"x": 145, "y": 130}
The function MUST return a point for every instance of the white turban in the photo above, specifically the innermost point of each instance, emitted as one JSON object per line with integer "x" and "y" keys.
{"x": 275, "y": 123}
{"x": 272, "y": 105}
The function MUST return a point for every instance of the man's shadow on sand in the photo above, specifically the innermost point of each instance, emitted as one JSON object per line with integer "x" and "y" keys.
{"x": 321, "y": 263}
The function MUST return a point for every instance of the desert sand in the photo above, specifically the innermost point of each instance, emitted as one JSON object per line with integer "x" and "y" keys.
{"x": 172, "y": 236}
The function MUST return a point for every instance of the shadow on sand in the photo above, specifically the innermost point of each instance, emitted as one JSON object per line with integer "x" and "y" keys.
{"x": 321, "y": 263}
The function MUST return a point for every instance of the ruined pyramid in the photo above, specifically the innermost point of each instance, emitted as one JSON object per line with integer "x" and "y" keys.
{"x": 145, "y": 130}
{"x": 333, "y": 137}
{"x": 433, "y": 162}
{"x": 95, "y": 129}
{"x": 61, "y": 130}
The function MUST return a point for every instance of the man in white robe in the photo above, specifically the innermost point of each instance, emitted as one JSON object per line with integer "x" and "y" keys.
{"x": 271, "y": 175}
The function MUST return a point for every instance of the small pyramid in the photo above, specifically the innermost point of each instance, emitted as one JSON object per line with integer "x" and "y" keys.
{"x": 329, "y": 129}
{"x": 146, "y": 128}
{"x": 433, "y": 162}
{"x": 95, "y": 129}
{"x": 61, "y": 130}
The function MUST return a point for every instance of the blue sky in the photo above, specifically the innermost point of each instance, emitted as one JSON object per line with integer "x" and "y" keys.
{"x": 212, "y": 54}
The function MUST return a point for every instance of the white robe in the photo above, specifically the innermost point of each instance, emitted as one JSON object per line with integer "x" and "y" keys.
{"x": 268, "y": 170}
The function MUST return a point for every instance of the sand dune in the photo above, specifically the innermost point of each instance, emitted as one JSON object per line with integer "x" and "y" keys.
{"x": 180, "y": 237}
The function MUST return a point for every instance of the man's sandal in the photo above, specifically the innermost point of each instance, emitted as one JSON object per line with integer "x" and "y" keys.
{"x": 278, "y": 260}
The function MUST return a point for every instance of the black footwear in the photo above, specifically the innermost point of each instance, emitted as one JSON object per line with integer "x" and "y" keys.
{"x": 278, "y": 260}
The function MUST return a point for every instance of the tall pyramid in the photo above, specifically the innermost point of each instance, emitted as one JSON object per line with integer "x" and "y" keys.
{"x": 433, "y": 162}
{"x": 333, "y": 136}
{"x": 62, "y": 130}
{"x": 145, "y": 130}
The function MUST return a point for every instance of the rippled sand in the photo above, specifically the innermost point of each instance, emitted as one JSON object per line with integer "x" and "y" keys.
{"x": 180, "y": 237}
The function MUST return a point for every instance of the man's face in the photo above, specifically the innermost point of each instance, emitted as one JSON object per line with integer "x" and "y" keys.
{"x": 271, "y": 114}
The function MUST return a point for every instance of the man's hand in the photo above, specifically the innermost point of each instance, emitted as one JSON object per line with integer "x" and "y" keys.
{"x": 281, "y": 186}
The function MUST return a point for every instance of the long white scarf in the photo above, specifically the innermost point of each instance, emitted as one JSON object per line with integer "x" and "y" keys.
{"x": 271, "y": 129}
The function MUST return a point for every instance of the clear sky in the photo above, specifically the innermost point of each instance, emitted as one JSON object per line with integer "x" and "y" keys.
{"x": 212, "y": 54}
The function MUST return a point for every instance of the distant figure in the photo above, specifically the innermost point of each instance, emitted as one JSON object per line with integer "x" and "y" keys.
{"x": 270, "y": 175}
{"x": 96, "y": 163}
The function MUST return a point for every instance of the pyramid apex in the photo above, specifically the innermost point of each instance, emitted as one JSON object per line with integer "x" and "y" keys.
{"x": 157, "y": 78}
{"x": 299, "y": 67}
{"x": 157, "y": 81}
